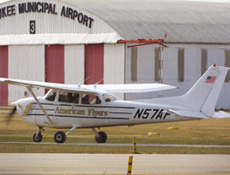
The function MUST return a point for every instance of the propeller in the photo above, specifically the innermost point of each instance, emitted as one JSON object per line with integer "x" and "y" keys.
{"x": 10, "y": 116}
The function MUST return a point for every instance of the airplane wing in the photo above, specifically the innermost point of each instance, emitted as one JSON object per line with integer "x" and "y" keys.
{"x": 47, "y": 85}
{"x": 113, "y": 88}
{"x": 130, "y": 88}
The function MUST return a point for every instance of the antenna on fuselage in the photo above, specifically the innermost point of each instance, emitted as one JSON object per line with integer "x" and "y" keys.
{"x": 79, "y": 84}
{"x": 95, "y": 85}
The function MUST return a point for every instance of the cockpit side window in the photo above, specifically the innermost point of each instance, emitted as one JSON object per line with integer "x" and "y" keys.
{"x": 90, "y": 99}
{"x": 68, "y": 97}
{"x": 51, "y": 95}
{"x": 75, "y": 98}
{"x": 62, "y": 97}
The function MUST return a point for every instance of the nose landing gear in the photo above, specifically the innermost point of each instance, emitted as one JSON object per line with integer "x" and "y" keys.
{"x": 37, "y": 137}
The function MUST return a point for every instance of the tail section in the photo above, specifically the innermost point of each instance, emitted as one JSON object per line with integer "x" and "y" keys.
{"x": 201, "y": 98}
{"x": 204, "y": 94}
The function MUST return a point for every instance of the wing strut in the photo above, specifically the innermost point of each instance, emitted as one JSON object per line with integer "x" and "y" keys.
{"x": 39, "y": 104}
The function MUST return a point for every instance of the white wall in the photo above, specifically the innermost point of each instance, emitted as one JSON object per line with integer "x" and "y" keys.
{"x": 114, "y": 65}
{"x": 28, "y": 63}
{"x": 74, "y": 64}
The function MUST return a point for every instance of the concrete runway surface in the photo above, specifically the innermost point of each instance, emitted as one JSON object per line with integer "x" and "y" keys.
{"x": 143, "y": 164}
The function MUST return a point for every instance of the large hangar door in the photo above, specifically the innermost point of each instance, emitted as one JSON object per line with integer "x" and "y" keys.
{"x": 54, "y": 65}
{"x": 4, "y": 73}
{"x": 94, "y": 63}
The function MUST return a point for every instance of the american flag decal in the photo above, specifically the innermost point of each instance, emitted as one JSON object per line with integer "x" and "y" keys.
{"x": 210, "y": 79}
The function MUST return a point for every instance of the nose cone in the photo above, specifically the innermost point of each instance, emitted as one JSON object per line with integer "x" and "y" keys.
{"x": 23, "y": 106}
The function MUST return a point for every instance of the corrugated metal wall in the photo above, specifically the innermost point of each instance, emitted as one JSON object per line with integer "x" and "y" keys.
{"x": 190, "y": 58}
{"x": 114, "y": 62}
{"x": 3, "y": 73}
{"x": 114, "y": 65}
{"x": 74, "y": 64}
{"x": 26, "y": 62}
{"x": 54, "y": 65}
{"x": 94, "y": 63}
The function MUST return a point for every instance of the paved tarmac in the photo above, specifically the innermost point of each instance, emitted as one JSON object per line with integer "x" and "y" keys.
{"x": 111, "y": 164}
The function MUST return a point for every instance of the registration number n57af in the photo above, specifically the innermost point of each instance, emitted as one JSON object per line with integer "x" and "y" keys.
{"x": 151, "y": 114}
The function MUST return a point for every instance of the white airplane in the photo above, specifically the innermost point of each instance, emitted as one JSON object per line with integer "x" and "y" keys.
{"x": 93, "y": 106}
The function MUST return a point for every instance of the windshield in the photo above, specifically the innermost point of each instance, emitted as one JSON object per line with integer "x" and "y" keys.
{"x": 50, "y": 96}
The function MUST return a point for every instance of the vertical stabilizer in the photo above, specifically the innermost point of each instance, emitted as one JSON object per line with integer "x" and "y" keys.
{"x": 209, "y": 105}
{"x": 204, "y": 94}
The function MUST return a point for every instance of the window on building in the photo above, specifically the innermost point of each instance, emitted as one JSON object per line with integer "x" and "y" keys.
{"x": 204, "y": 60}
{"x": 157, "y": 64}
{"x": 227, "y": 64}
{"x": 181, "y": 65}
{"x": 134, "y": 64}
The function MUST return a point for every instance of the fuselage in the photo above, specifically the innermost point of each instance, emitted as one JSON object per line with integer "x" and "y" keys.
{"x": 111, "y": 113}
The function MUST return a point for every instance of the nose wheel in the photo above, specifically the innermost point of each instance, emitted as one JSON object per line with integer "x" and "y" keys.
{"x": 37, "y": 137}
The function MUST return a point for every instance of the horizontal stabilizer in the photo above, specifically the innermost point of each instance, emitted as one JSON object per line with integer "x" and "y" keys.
{"x": 193, "y": 114}
{"x": 221, "y": 114}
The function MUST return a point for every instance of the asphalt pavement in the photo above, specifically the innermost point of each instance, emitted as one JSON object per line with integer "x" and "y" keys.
{"x": 111, "y": 164}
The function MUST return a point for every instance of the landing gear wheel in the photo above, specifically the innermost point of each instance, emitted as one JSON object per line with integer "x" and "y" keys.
{"x": 102, "y": 137}
{"x": 37, "y": 137}
{"x": 60, "y": 137}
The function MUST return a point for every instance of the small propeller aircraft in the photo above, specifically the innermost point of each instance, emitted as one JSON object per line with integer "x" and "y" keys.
{"x": 94, "y": 106}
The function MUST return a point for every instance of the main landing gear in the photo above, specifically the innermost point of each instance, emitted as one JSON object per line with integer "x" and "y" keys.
{"x": 60, "y": 136}
{"x": 100, "y": 137}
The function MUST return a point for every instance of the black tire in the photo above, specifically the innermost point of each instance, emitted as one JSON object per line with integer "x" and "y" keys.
{"x": 37, "y": 137}
{"x": 102, "y": 137}
{"x": 60, "y": 137}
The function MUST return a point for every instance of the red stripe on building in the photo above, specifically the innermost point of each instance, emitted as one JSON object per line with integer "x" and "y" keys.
{"x": 54, "y": 64}
{"x": 94, "y": 63}
{"x": 4, "y": 73}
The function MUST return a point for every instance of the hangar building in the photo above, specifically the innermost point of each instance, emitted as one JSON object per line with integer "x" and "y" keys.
{"x": 86, "y": 41}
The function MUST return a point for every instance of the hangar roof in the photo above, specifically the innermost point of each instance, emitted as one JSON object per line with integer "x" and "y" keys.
{"x": 183, "y": 21}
